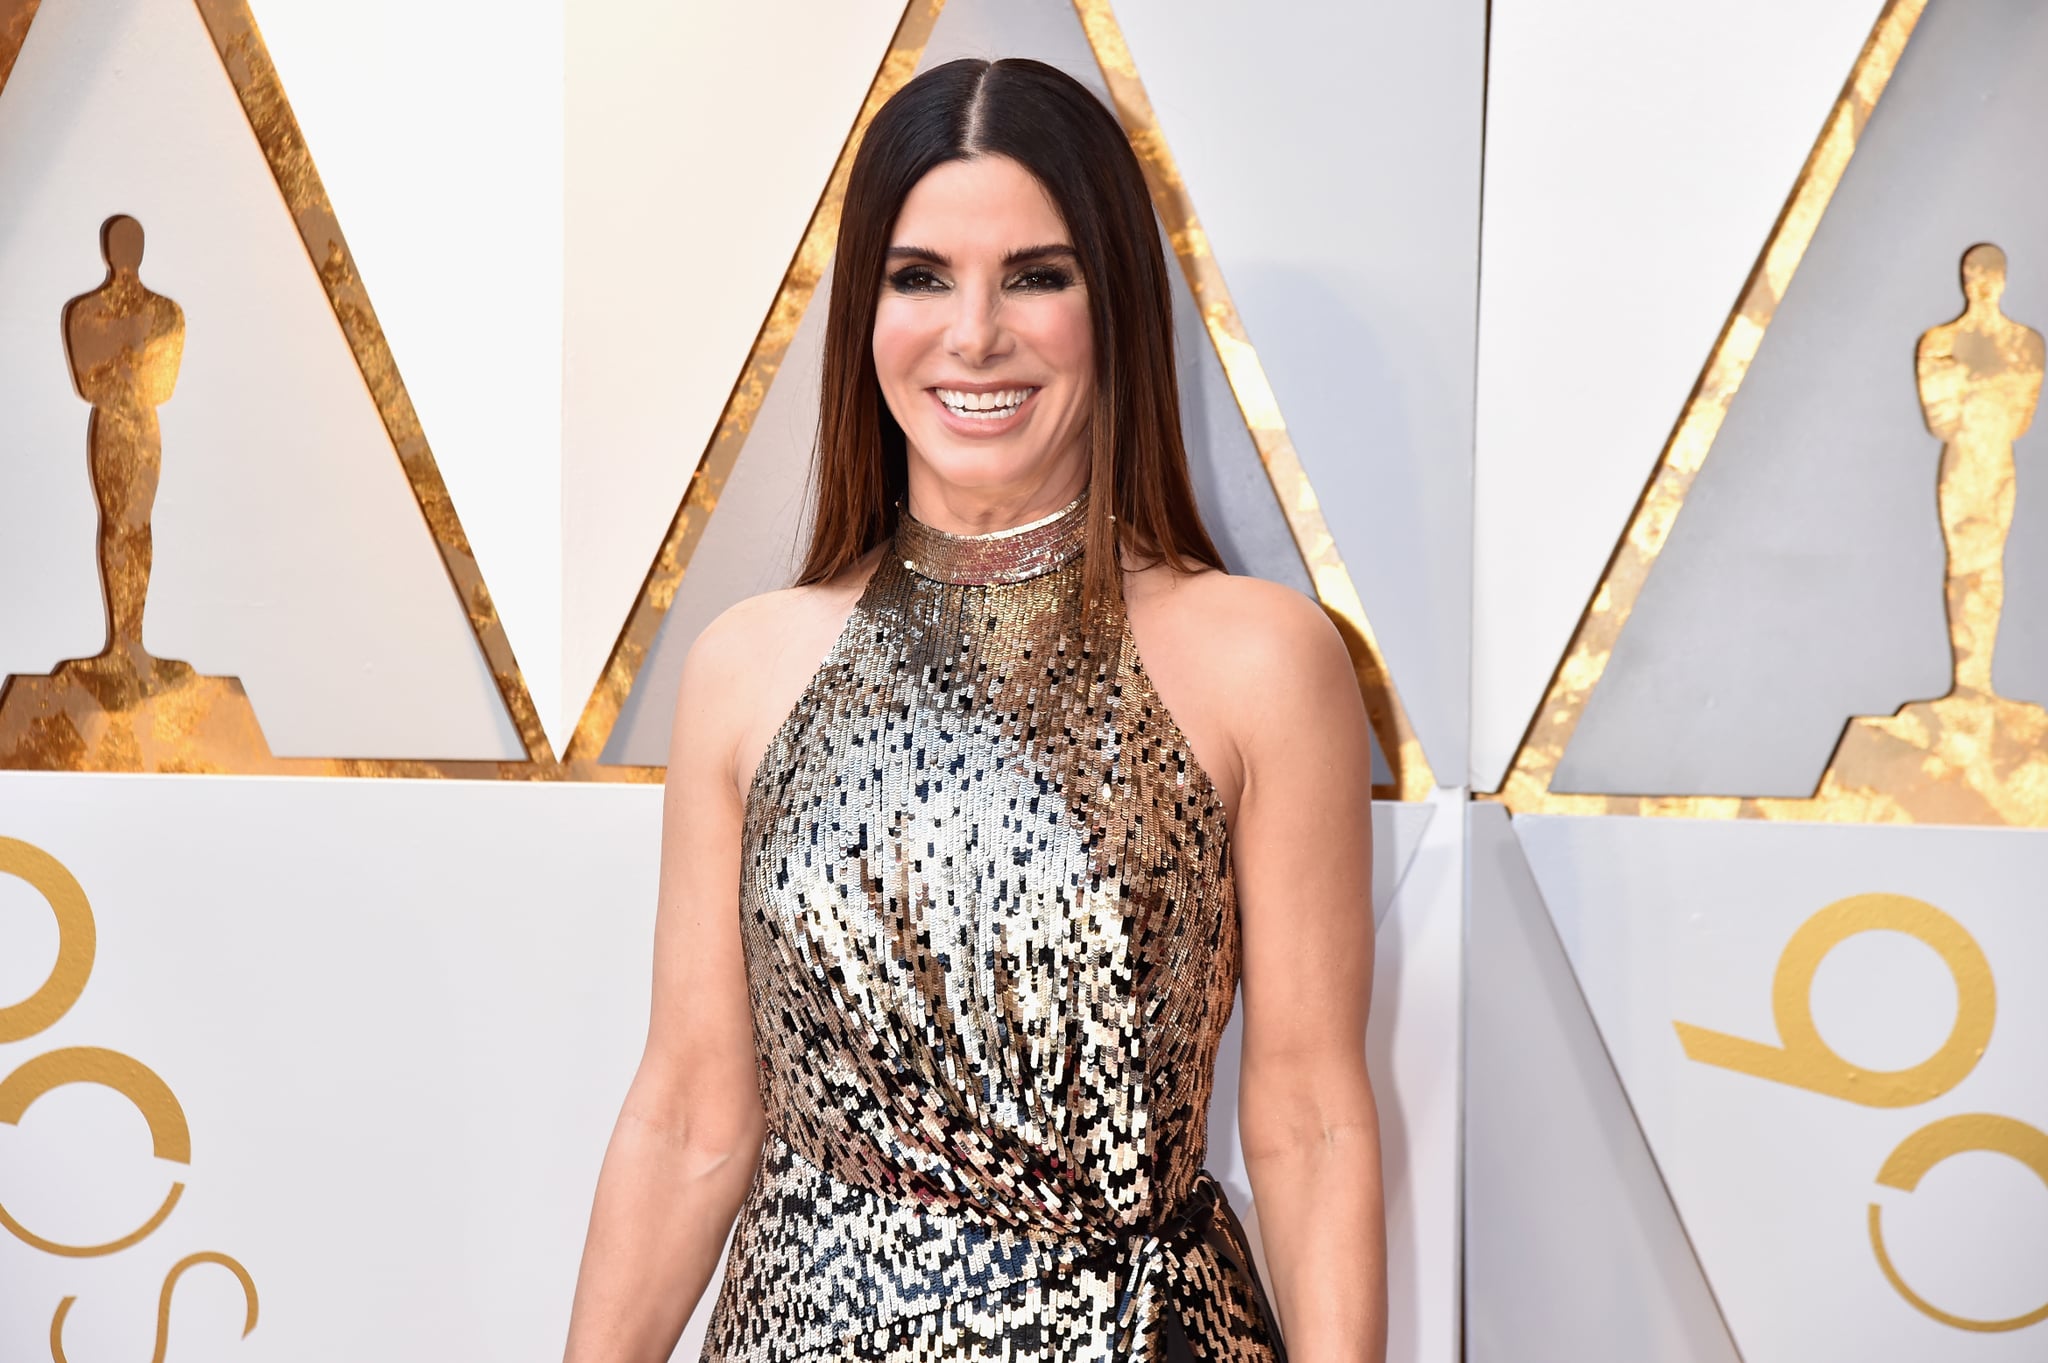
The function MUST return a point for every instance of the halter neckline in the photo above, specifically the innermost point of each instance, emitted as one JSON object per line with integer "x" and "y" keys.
{"x": 1017, "y": 554}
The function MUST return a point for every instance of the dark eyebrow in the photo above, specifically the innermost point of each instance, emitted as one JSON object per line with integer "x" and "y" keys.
{"x": 1016, "y": 257}
{"x": 1046, "y": 252}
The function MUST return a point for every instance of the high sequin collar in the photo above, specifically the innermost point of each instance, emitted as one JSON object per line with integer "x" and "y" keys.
{"x": 1015, "y": 555}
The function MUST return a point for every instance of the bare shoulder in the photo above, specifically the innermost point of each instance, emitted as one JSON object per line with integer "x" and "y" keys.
{"x": 1238, "y": 660}
{"x": 1252, "y": 633}
{"x": 751, "y": 663}
{"x": 736, "y": 637}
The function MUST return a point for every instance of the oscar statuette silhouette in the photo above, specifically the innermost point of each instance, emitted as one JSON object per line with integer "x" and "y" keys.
{"x": 1960, "y": 758}
{"x": 123, "y": 709}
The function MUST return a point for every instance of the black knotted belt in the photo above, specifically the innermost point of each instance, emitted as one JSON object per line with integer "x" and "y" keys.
{"x": 1159, "y": 1255}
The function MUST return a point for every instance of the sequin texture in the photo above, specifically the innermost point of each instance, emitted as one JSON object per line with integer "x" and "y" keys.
{"x": 992, "y": 942}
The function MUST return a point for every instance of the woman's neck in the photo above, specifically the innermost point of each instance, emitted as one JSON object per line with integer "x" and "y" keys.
{"x": 957, "y": 510}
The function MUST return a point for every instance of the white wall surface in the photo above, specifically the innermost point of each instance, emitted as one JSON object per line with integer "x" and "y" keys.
{"x": 1413, "y": 1044}
{"x": 1415, "y": 1047}
{"x": 1636, "y": 157}
{"x": 439, "y": 139}
{"x": 1573, "y": 1250}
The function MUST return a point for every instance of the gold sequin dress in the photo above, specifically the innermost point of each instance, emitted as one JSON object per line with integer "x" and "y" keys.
{"x": 992, "y": 942}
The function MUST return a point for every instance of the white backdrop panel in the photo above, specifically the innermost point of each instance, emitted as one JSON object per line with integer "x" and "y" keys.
{"x": 698, "y": 138}
{"x": 1415, "y": 1045}
{"x": 1669, "y": 921}
{"x": 1803, "y": 581}
{"x": 445, "y": 171}
{"x": 1636, "y": 157}
{"x": 289, "y": 550}
{"x": 399, "y": 1018}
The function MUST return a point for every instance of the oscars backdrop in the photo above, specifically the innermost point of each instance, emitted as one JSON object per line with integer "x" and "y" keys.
{"x": 388, "y": 399}
{"x": 376, "y": 437}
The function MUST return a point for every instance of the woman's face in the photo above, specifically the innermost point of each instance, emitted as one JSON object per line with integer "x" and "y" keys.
{"x": 983, "y": 345}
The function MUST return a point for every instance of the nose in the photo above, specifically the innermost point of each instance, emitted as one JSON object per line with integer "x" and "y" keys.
{"x": 974, "y": 332}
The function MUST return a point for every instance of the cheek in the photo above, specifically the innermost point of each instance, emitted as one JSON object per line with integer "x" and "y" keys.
{"x": 898, "y": 344}
{"x": 1064, "y": 339}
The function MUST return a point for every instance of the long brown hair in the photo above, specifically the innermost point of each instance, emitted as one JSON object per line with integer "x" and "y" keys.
{"x": 1049, "y": 123}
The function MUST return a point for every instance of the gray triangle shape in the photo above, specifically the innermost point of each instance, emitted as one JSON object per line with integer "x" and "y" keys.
{"x": 1573, "y": 1249}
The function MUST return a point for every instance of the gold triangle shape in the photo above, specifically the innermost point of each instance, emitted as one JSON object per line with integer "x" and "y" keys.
{"x": 238, "y": 747}
{"x": 1412, "y": 778}
{"x": 1527, "y": 787}
{"x": 15, "y": 17}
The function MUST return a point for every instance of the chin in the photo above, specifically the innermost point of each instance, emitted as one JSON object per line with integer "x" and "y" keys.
{"x": 986, "y": 469}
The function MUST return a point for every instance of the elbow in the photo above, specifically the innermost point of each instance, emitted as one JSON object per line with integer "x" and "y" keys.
{"x": 703, "y": 1135}
{"x": 1306, "y": 1114}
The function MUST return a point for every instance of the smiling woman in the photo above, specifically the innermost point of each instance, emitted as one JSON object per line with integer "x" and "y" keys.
{"x": 952, "y": 922}
{"x": 984, "y": 340}
{"x": 1006, "y": 221}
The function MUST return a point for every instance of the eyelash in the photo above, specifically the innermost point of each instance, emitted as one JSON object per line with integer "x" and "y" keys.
{"x": 914, "y": 279}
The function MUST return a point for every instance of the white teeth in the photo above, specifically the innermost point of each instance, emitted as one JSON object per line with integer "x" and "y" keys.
{"x": 984, "y": 406}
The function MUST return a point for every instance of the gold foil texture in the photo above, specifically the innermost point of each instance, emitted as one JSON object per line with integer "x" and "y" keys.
{"x": 15, "y": 17}
{"x": 1972, "y": 755}
{"x": 122, "y": 709}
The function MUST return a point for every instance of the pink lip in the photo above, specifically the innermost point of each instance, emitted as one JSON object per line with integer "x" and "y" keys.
{"x": 982, "y": 428}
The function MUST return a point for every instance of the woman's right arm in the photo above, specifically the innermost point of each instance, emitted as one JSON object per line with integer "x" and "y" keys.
{"x": 682, "y": 1155}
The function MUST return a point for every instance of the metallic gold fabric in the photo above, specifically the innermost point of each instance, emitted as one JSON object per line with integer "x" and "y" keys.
{"x": 992, "y": 940}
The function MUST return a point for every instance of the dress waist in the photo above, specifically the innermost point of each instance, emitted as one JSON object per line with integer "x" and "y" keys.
{"x": 815, "y": 1260}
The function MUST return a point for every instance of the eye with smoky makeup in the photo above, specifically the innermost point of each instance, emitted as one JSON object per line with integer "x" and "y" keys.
{"x": 922, "y": 279}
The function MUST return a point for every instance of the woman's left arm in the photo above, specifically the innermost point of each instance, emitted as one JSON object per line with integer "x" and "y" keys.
{"x": 1302, "y": 843}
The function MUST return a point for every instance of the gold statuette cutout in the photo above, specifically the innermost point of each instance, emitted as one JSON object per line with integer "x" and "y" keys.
{"x": 123, "y": 710}
{"x": 1413, "y": 779}
{"x": 1972, "y": 756}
